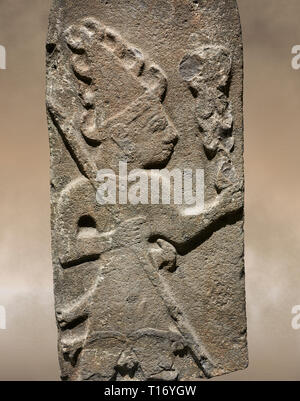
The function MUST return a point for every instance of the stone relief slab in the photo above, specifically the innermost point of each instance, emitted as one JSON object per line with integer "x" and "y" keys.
{"x": 146, "y": 287}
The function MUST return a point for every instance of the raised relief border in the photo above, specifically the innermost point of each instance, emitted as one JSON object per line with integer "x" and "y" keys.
{"x": 104, "y": 348}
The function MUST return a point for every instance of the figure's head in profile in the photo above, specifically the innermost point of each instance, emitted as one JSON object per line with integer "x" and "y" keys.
{"x": 123, "y": 94}
{"x": 143, "y": 134}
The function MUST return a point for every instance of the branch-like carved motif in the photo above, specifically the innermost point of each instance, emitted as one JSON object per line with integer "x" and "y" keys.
{"x": 207, "y": 72}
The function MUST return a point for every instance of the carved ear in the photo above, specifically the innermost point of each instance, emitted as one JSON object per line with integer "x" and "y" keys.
{"x": 121, "y": 137}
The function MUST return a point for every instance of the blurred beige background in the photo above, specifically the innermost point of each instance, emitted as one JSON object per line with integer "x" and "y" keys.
{"x": 272, "y": 140}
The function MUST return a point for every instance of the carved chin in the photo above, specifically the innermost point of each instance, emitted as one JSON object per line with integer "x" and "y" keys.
{"x": 160, "y": 160}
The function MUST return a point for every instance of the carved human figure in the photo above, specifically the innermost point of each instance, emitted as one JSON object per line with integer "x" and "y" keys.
{"x": 122, "y": 248}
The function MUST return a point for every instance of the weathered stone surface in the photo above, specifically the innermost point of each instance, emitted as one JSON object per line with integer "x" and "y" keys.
{"x": 147, "y": 291}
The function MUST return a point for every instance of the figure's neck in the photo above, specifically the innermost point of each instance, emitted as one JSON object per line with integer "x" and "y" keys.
{"x": 110, "y": 155}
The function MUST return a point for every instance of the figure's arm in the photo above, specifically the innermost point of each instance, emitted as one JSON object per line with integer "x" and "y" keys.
{"x": 180, "y": 229}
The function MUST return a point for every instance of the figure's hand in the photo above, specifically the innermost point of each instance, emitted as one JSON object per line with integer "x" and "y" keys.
{"x": 164, "y": 256}
{"x": 232, "y": 198}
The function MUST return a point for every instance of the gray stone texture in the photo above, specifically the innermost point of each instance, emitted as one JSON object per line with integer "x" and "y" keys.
{"x": 147, "y": 292}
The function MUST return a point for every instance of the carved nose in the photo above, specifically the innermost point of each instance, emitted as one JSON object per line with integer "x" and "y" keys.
{"x": 171, "y": 136}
